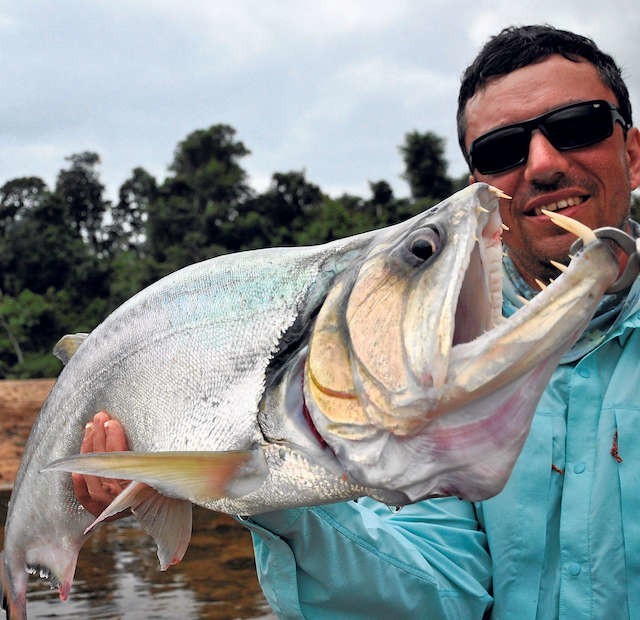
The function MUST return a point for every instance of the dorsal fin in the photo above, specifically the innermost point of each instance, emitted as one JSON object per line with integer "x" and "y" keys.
{"x": 68, "y": 345}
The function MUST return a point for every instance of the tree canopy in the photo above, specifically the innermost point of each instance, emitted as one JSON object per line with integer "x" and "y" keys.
{"x": 69, "y": 256}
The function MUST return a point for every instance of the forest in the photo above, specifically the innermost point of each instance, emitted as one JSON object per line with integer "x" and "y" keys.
{"x": 69, "y": 256}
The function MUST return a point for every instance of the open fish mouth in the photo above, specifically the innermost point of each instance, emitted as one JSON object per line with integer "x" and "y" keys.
{"x": 442, "y": 403}
{"x": 384, "y": 338}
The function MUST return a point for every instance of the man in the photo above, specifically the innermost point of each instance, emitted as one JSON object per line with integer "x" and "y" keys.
{"x": 544, "y": 116}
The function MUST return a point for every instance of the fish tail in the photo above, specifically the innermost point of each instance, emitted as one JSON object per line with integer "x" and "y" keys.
{"x": 12, "y": 599}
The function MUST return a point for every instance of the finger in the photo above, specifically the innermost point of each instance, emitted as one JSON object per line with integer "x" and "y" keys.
{"x": 101, "y": 491}
{"x": 115, "y": 439}
{"x": 87, "y": 439}
{"x": 79, "y": 481}
{"x": 93, "y": 492}
{"x": 99, "y": 434}
{"x": 98, "y": 489}
{"x": 91, "y": 486}
{"x": 101, "y": 417}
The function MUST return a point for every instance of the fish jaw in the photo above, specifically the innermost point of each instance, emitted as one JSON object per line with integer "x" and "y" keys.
{"x": 461, "y": 436}
{"x": 385, "y": 332}
{"x": 547, "y": 325}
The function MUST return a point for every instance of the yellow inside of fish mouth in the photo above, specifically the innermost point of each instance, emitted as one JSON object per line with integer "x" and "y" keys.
{"x": 350, "y": 391}
{"x": 359, "y": 364}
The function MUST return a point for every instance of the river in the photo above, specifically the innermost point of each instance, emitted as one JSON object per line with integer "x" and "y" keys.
{"x": 118, "y": 576}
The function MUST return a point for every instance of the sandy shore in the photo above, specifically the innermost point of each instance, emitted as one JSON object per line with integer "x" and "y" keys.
{"x": 20, "y": 402}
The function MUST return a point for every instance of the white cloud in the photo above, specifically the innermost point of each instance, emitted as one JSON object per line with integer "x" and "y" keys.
{"x": 328, "y": 86}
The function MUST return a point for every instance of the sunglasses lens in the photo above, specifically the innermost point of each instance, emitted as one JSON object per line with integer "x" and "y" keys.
{"x": 573, "y": 127}
{"x": 500, "y": 150}
{"x": 579, "y": 126}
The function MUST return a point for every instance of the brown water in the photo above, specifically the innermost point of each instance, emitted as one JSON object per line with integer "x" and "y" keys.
{"x": 118, "y": 575}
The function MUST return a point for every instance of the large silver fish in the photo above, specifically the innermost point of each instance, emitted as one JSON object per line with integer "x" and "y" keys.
{"x": 375, "y": 365}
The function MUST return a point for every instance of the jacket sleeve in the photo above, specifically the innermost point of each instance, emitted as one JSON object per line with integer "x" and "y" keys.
{"x": 361, "y": 560}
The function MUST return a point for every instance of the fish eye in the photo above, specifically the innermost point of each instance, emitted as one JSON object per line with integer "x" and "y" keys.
{"x": 425, "y": 243}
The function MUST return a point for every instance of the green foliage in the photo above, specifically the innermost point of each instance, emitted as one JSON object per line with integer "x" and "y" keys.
{"x": 25, "y": 322}
{"x": 80, "y": 190}
{"x": 128, "y": 217}
{"x": 17, "y": 197}
{"x": 425, "y": 165}
{"x": 68, "y": 257}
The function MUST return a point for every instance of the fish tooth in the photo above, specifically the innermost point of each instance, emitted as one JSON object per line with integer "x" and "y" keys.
{"x": 499, "y": 193}
{"x": 573, "y": 226}
{"x": 559, "y": 266}
{"x": 504, "y": 227}
{"x": 550, "y": 207}
{"x": 541, "y": 284}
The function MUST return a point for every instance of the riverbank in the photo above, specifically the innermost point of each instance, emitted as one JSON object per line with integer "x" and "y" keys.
{"x": 20, "y": 402}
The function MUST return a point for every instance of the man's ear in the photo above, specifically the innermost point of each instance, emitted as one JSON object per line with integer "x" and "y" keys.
{"x": 633, "y": 155}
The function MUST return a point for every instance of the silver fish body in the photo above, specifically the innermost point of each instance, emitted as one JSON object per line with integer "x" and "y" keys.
{"x": 374, "y": 365}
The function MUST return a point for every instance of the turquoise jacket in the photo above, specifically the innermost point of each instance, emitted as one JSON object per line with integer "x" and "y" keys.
{"x": 562, "y": 540}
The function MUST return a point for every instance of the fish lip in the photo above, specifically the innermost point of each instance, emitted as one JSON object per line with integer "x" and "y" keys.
{"x": 551, "y": 197}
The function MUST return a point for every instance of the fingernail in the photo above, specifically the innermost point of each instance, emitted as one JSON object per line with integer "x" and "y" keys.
{"x": 107, "y": 424}
{"x": 89, "y": 426}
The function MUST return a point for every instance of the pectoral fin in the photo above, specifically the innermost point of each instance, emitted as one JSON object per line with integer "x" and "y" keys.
{"x": 195, "y": 476}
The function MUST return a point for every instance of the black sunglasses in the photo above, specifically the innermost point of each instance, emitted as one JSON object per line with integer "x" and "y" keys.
{"x": 572, "y": 127}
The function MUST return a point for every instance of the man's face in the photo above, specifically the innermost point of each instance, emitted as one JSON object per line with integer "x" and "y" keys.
{"x": 595, "y": 180}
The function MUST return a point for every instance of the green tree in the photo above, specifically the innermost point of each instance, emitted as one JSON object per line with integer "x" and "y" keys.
{"x": 81, "y": 191}
{"x": 382, "y": 206}
{"x": 129, "y": 214}
{"x": 425, "y": 165}
{"x": 189, "y": 218}
{"x": 24, "y": 321}
{"x": 207, "y": 161}
{"x": 67, "y": 257}
{"x": 17, "y": 196}
{"x": 285, "y": 209}
{"x": 336, "y": 218}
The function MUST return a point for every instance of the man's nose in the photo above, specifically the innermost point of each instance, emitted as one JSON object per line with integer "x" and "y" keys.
{"x": 545, "y": 163}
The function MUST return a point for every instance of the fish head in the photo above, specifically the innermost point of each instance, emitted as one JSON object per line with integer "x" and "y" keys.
{"x": 413, "y": 377}
{"x": 387, "y": 328}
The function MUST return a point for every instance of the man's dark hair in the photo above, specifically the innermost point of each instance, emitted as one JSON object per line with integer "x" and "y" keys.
{"x": 519, "y": 46}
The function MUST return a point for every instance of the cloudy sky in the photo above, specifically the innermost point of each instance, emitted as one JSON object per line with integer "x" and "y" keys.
{"x": 329, "y": 86}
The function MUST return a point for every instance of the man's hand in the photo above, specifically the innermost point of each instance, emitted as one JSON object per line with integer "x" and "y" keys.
{"x": 101, "y": 435}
